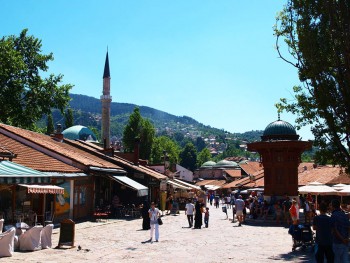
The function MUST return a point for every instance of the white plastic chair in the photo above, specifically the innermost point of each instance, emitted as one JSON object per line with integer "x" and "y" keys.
{"x": 7, "y": 242}
{"x": 1, "y": 225}
{"x": 31, "y": 239}
{"x": 46, "y": 236}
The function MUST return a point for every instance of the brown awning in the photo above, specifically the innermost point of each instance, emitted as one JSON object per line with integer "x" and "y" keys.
{"x": 43, "y": 189}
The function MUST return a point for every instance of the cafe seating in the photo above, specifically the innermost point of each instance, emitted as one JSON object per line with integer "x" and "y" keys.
{"x": 30, "y": 240}
{"x": 32, "y": 218}
{"x": 101, "y": 214}
{"x": 49, "y": 218}
{"x": 1, "y": 225}
{"x": 46, "y": 236}
{"x": 7, "y": 242}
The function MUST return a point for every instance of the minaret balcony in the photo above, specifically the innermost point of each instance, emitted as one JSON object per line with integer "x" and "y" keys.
{"x": 106, "y": 97}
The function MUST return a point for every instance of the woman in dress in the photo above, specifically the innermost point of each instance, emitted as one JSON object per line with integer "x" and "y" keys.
{"x": 198, "y": 216}
{"x": 145, "y": 216}
{"x": 154, "y": 214}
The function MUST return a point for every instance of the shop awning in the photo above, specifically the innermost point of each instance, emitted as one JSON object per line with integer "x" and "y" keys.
{"x": 43, "y": 189}
{"x": 187, "y": 184}
{"x": 176, "y": 185}
{"x": 13, "y": 173}
{"x": 141, "y": 189}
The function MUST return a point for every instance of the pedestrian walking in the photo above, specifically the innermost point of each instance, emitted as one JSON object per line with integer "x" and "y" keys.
{"x": 198, "y": 217}
{"x": 323, "y": 225}
{"x": 189, "y": 211}
{"x": 217, "y": 201}
{"x": 239, "y": 204}
{"x": 154, "y": 214}
{"x": 340, "y": 233}
{"x": 206, "y": 217}
{"x": 211, "y": 198}
{"x": 146, "y": 224}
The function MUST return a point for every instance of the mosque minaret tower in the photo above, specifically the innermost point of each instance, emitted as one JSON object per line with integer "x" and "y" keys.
{"x": 106, "y": 100}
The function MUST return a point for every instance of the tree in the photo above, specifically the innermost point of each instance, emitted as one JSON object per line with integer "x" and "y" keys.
{"x": 188, "y": 157}
{"x": 203, "y": 157}
{"x": 161, "y": 144}
{"x": 147, "y": 138}
{"x": 317, "y": 36}
{"x": 24, "y": 95}
{"x": 50, "y": 129}
{"x": 69, "y": 119}
{"x": 139, "y": 128}
{"x": 132, "y": 130}
{"x": 200, "y": 144}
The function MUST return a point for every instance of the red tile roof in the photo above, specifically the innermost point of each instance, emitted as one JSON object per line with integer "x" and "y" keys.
{"x": 234, "y": 173}
{"x": 211, "y": 182}
{"x": 125, "y": 164}
{"x": 244, "y": 181}
{"x": 251, "y": 167}
{"x": 34, "y": 159}
{"x": 77, "y": 156}
{"x": 323, "y": 174}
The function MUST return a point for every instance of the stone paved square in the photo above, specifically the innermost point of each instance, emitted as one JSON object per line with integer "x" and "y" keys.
{"x": 124, "y": 241}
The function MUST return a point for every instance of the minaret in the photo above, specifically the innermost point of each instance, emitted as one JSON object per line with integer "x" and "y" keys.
{"x": 106, "y": 100}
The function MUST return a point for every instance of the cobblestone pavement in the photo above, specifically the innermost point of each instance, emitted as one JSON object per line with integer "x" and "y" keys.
{"x": 124, "y": 241}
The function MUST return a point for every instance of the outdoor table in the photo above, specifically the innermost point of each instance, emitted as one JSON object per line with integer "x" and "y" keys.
{"x": 22, "y": 225}
{"x": 21, "y": 228}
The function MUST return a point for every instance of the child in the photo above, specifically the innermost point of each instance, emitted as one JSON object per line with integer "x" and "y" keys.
{"x": 206, "y": 217}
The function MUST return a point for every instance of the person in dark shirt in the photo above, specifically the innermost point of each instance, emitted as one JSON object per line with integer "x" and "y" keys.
{"x": 323, "y": 225}
{"x": 340, "y": 233}
{"x": 286, "y": 206}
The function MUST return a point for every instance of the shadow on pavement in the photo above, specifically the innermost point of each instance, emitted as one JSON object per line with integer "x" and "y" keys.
{"x": 300, "y": 255}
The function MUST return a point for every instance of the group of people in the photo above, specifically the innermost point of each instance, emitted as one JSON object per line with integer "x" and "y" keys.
{"x": 332, "y": 233}
{"x": 197, "y": 212}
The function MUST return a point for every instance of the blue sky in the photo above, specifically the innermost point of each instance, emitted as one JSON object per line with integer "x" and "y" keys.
{"x": 214, "y": 61}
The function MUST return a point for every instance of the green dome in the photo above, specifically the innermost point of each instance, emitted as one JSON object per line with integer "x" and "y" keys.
{"x": 208, "y": 164}
{"x": 280, "y": 130}
{"x": 226, "y": 163}
{"x": 79, "y": 132}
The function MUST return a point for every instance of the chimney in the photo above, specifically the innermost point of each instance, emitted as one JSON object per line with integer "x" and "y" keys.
{"x": 136, "y": 151}
{"x": 58, "y": 136}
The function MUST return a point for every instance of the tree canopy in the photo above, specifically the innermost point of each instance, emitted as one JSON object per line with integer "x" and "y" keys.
{"x": 25, "y": 96}
{"x": 161, "y": 144}
{"x": 317, "y": 37}
{"x": 68, "y": 118}
{"x": 188, "y": 157}
{"x": 203, "y": 156}
{"x": 141, "y": 129}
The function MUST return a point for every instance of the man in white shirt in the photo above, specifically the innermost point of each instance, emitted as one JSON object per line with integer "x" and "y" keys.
{"x": 189, "y": 210}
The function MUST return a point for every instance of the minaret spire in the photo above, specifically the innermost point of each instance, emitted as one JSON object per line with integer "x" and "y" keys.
{"x": 106, "y": 100}
{"x": 106, "y": 73}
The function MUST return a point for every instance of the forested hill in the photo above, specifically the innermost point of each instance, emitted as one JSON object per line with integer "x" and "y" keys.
{"x": 93, "y": 105}
{"x": 87, "y": 111}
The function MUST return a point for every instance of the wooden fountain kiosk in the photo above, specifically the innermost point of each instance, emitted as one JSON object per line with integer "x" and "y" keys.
{"x": 280, "y": 153}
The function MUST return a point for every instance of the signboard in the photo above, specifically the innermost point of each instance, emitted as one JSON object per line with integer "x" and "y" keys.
{"x": 62, "y": 204}
{"x": 67, "y": 233}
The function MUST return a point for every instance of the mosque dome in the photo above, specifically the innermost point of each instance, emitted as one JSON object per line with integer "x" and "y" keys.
{"x": 208, "y": 164}
{"x": 280, "y": 130}
{"x": 226, "y": 163}
{"x": 79, "y": 132}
